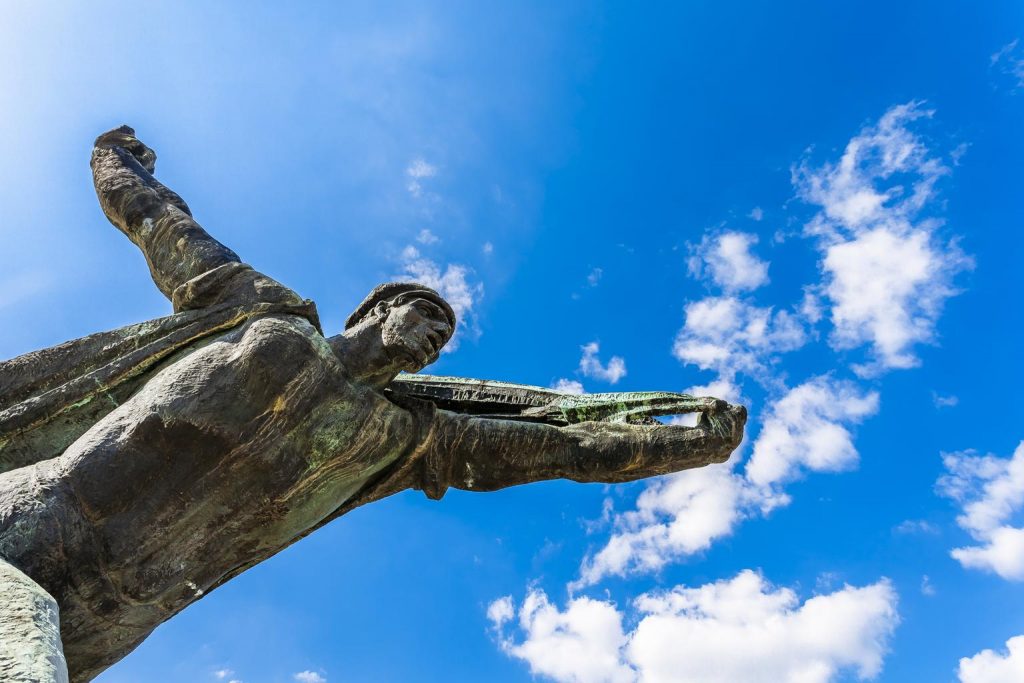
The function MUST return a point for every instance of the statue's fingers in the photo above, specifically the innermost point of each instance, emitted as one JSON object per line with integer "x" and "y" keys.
{"x": 145, "y": 155}
{"x": 116, "y": 137}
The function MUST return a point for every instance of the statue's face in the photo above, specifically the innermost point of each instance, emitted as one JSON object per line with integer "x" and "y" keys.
{"x": 414, "y": 332}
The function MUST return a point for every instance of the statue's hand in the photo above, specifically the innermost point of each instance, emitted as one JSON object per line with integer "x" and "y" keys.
{"x": 725, "y": 420}
{"x": 123, "y": 137}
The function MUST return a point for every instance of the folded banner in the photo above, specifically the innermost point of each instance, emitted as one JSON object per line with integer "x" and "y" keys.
{"x": 507, "y": 401}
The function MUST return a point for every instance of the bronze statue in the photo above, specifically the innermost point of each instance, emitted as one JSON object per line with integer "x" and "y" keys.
{"x": 143, "y": 467}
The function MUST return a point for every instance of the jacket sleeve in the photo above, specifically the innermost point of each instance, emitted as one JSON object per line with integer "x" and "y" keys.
{"x": 483, "y": 454}
{"x": 156, "y": 219}
{"x": 189, "y": 266}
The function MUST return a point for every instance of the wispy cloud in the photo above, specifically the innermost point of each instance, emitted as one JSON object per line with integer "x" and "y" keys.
{"x": 568, "y": 386}
{"x": 1008, "y": 62}
{"x": 886, "y": 272}
{"x": 741, "y": 629}
{"x": 309, "y": 677}
{"x": 915, "y": 526}
{"x": 726, "y": 260}
{"x": 591, "y": 366}
{"x": 729, "y": 335}
{"x": 426, "y": 237}
{"x": 418, "y": 171}
{"x": 991, "y": 491}
{"x": 452, "y": 281}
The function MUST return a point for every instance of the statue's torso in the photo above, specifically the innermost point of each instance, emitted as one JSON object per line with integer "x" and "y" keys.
{"x": 226, "y": 455}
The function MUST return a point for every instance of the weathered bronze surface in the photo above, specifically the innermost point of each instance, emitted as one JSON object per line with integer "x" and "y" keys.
{"x": 143, "y": 467}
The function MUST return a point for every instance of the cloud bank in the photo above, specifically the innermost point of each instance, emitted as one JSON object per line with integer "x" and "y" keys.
{"x": 740, "y": 629}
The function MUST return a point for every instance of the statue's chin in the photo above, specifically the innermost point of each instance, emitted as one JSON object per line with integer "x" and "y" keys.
{"x": 401, "y": 358}
{"x": 403, "y": 355}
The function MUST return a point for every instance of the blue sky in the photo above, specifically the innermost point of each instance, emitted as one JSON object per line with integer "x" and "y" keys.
{"x": 811, "y": 208}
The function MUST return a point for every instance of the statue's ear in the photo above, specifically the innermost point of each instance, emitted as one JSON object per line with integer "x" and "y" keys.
{"x": 381, "y": 310}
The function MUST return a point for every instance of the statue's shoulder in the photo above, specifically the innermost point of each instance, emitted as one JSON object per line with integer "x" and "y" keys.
{"x": 239, "y": 284}
{"x": 50, "y": 397}
{"x": 283, "y": 337}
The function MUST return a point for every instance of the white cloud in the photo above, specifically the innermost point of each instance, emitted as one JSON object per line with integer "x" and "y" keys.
{"x": 886, "y": 272}
{"x": 591, "y": 366}
{"x": 676, "y": 515}
{"x": 990, "y": 667}
{"x": 728, "y": 335}
{"x": 741, "y": 629}
{"x": 452, "y": 282}
{"x": 727, "y": 261}
{"x": 221, "y": 674}
{"x": 719, "y": 388}
{"x": 807, "y": 428}
{"x": 1003, "y": 553}
{"x": 942, "y": 401}
{"x": 887, "y": 289}
{"x": 309, "y": 677}
{"x": 500, "y": 611}
{"x": 757, "y": 213}
{"x": 568, "y": 386}
{"x": 1008, "y": 62}
{"x": 488, "y": 248}
{"x": 991, "y": 491}
{"x": 417, "y": 171}
{"x": 427, "y": 237}
{"x": 583, "y": 644}
{"x": 594, "y": 277}
{"x": 927, "y": 587}
{"x": 810, "y": 306}
{"x": 849, "y": 192}
{"x": 686, "y": 420}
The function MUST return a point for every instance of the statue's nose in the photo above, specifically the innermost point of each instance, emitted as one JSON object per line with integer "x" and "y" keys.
{"x": 441, "y": 328}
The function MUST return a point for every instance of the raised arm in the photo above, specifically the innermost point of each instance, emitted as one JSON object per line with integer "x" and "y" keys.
{"x": 152, "y": 216}
{"x": 482, "y": 454}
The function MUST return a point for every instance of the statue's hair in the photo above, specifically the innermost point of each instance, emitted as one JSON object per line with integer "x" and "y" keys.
{"x": 389, "y": 291}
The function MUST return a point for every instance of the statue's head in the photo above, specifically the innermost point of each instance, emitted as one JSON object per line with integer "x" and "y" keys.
{"x": 398, "y": 326}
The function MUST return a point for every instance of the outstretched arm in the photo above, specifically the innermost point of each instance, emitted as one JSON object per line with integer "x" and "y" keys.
{"x": 481, "y": 454}
{"x": 152, "y": 216}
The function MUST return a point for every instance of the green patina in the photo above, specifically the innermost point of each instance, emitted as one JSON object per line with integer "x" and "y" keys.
{"x": 505, "y": 400}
